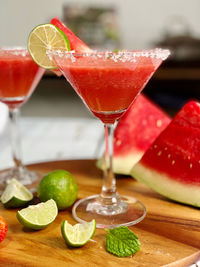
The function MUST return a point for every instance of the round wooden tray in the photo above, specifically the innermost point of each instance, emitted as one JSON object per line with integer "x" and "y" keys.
{"x": 169, "y": 235}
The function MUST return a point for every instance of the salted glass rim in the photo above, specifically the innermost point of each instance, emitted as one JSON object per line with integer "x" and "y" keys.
{"x": 14, "y": 50}
{"x": 159, "y": 53}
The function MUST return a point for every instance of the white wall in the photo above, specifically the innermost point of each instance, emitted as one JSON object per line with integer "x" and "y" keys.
{"x": 141, "y": 21}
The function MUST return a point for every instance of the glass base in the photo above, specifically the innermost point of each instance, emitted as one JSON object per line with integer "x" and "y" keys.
{"x": 127, "y": 212}
{"x": 22, "y": 174}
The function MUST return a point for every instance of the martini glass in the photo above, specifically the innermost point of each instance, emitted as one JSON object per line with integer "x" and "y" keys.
{"x": 19, "y": 76}
{"x": 108, "y": 83}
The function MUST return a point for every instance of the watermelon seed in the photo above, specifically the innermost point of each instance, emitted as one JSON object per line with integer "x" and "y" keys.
{"x": 118, "y": 143}
{"x": 173, "y": 162}
{"x": 190, "y": 165}
{"x": 189, "y": 157}
{"x": 159, "y": 153}
{"x": 165, "y": 148}
{"x": 159, "y": 123}
{"x": 155, "y": 146}
{"x": 169, "y": 155}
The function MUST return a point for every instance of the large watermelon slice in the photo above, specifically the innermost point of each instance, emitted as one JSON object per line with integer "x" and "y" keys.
{"x": 75, "y": 43}
{"x": 135, "y": 132}
{"x": 171, "y": 166}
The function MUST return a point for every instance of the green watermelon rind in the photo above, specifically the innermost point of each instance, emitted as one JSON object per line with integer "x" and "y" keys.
{"x": 167, "y": 186}
{"x": 122, "y": 165}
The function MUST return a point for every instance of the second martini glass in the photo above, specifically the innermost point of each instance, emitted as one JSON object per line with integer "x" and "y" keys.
{"x": 108, "y": 83}
{"x": 19, "y": 77}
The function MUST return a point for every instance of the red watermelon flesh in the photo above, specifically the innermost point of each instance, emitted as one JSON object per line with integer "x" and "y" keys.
{"x": 75, "y": 43}
{"x": 171, "y": 166}
{"x": 135, "y": 132}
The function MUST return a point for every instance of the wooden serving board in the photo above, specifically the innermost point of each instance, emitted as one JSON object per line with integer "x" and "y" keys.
{"x": 169, "y": 235}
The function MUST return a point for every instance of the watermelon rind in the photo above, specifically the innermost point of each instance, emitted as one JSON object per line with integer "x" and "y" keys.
{"x": 166, "y": 186}
{"x": 122, "y": 165}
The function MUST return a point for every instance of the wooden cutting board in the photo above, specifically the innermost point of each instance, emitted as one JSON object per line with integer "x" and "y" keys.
{"x": 169, "y": 235}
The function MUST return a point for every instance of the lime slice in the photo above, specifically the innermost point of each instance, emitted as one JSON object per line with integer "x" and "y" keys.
{"x": 38, "y": 216}
{"x": 15, "y": 195}
{"x": 79, "y": 234}
{"x": 46, "y": 37}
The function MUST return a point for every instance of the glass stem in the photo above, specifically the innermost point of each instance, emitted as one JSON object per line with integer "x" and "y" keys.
{"x": 15, "y": 138}
{"x": 109, "y": 182}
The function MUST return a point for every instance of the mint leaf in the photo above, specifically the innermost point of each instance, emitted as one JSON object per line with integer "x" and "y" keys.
{"x": 122, "y": 242}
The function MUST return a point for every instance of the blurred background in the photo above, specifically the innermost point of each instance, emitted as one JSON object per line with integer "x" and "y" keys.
{"x": 113, "y": 24}
{"x": 105, "y": 24}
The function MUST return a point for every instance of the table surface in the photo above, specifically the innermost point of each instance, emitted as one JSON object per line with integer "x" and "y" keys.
{"x": 45, "y": 139}
{"x": 169, "y": 234}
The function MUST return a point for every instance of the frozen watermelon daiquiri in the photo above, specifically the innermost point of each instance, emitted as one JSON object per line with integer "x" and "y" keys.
{"x": 108, "y": 83}
{"x": 138, "y": 127}
{"x": 19, "y": 76}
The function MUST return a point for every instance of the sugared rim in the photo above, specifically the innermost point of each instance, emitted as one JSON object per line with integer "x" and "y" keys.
{"x": 158, "y": 53}
{"x": 14, "y": 50}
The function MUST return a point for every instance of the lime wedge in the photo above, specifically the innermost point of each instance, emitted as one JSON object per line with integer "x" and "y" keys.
{"x": 15, "y": 195}
{"x": 79, "y": 234}
{"x": 38, "y": 216}
{"x": 46, "y": 37}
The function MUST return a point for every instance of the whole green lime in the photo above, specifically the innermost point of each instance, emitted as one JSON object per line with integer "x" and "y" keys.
{"x": 59, "y": 185}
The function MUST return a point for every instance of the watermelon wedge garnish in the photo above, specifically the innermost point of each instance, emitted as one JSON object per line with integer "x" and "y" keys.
{"x": 171, "y": 166}
{"x": 135, "y": 132}
{"x": 76, "y": 44}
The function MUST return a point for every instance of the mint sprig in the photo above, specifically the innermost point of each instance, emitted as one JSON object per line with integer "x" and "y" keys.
{"x": 122, "y": 242}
